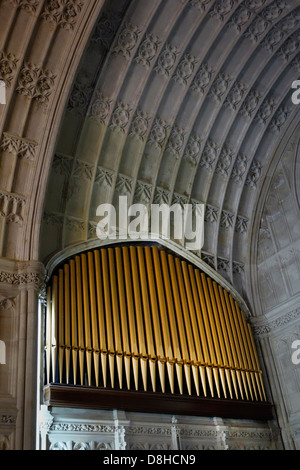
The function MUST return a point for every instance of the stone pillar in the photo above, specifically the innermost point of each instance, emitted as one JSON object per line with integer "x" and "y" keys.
{"x": 20, "y": 287}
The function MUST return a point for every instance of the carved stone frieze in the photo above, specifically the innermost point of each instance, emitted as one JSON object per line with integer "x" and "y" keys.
{"x": 127, "y": 40}
{"x": 16, "y": 145}
{"x": 12, "y": 206}
{"x": 28, "y": 5}
{"x": 148, "y": 50}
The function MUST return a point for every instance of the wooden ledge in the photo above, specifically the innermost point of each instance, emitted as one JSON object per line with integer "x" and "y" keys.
{"x": 149, "y": 402}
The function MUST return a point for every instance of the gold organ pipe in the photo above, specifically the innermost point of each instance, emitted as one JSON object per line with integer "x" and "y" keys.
{"x": 194, "y": 328}
{"x": 87, "y": 319}
{"x": 48, "y": 334}
{"x": 94, "y": 319}
{"x": 172, "y": 320}
{"x": 131, "y": 315}
{"x": 147, "y": 316}
{"x": 155, "y": 318}
{"x": 188, "y": 328}
{"x": 61, "y": 342}
{"x": 221, "y": 350}
{"x": 256, "y": 362}
{"x": 108, "y": 315}
{"x": 144, "y": 309}
{"x": 206, "y": 356}
{"x": 123, "y": 313}
{"x": 81, "y": 344}
{"x": 139, "y": 315}
{"x": 237, "y": 340}
{"x": 67, "y": 315}
{"x": 54, "y": 321}
{"x": 116, "y": 316}
{"x": 74, "y": 320}
{"x": 163, "y": 318}
{"x": 101, "y": 316}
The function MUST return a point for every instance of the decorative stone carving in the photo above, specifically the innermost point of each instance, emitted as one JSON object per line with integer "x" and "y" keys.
{"x": 83, "y": 170}
{"x": 240, "y": 18}
{"x": 241, "y": 224}
{"x": 62, "y": 164}
{"x": 225, "y": 161}
{"x": 8, "y": 66}
{"x": 120, "y": 117}
{"x": 158, "y": 133}
{"x": 256, "y": 30}
{"x": 147, "y": 50}
{"x": 223, "y": 264}
{"x": 185, "y": 69}
{"x": 251, "y": 103}
{"x": 273, "y": 38}
{"x": 62, "y": 13}
{"x": 265, "y": 111}
{"x": 220, "y": 86}
{"x": 140, "y": 124}
{"x": 127, "y": 40}
{"x": 253, "y": 174}
{"x": 279, "y": 119}
{"x": 202, "y": 78}
{"x": 16, "y": 145}
{"x": 12, "y": 206}
{"x": 222, "y": 8}
{"x": 273, "y": 12}
{"x": 209, "y": 155}
{"x": 161, "y": 196}
{"x": 227, "y": 220}
{"x": 199, "y": 4}
{"x": 100, "y": 108}
{"x": 211, "y": 213}
{"x": 106, "y": 29}
{"x": 235, "y": 96}
{"x": 290, "y": 47}
{"x": 28, "y": 5}
{"x": 104, "y": 176}
{"x": 143, "y": 192}
{"x": 176, "y": 140}
{"x": 35, "y": 83}
{"x": 239, "y": 168}
{"x": 166, "y": 60}
{"x": 124, "y": 184}
{"x": 192, "y": 150}
{"x": 80, "y": 97}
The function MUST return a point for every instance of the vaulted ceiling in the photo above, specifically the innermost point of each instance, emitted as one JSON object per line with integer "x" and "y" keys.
{"x": 161, "y": 100}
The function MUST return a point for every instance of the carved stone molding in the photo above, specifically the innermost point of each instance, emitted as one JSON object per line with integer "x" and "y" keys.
{"x": 12, "y": 206}
{"x": 36, "y": 83}
{"x": 16, "y": 145}
{"x": 62, "y": 13}
{"x": 271, "y": 326}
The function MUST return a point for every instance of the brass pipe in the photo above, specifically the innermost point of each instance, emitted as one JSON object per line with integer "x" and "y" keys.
{"x": 178, "y": 359}
{"x": 221, "y": 350}
{"x": 48, "y": 335}
{"x": 194, "y": 326}
{"x": 204, "y": 341}
{"x": 131, "y": 315}
{"x": 87, "y": 319}
{"x": 101, "y": 316}
{"x": 147, "y": 316}
{"x": 211, "y": 369}
{"x": 74, "y": 320}
{"x": 170, "y": 360}
{"x": 54, "y": 325}
{"x": 61, "y": 339}
{"x": 108, "y": 316}
{"x": 123, "y": 315}
{"x": 155, "y": 318}
{"x": 81, "y": 345}
{"x": 93, "y": 312}
{"x": 67, "y": 315}
{"x": 139, "y": 315}
{"x": 233, "y": 362}
{"x": 190, "y": 339}
{"x": 226, "y": 351}
{"x": 239, "y": 346}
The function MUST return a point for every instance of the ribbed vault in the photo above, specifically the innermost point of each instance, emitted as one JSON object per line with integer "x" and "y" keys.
{"x": 177, "y": 102}
{"x": 172, "y": 101}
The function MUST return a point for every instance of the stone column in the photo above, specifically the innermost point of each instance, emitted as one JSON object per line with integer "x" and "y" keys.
{"x": 20, "y": 287}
